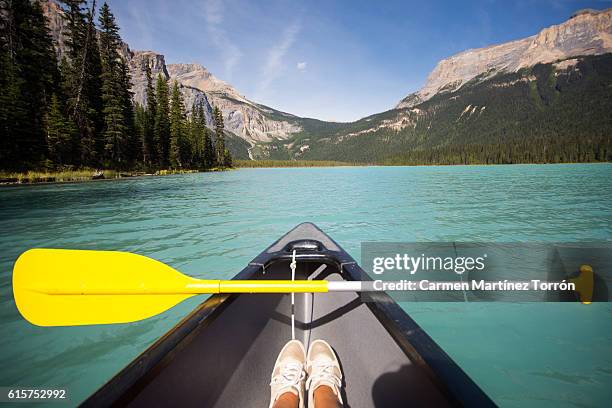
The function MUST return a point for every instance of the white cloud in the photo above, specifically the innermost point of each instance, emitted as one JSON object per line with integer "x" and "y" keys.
{"x": 275, "y": 58}
{"x": 301, "y": 66}
{"x": 213, "y": 14}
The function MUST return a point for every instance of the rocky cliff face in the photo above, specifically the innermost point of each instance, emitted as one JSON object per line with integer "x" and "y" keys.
{"x": 251, "y": 121}
{"x": 587, "y": 32}
{"x": 56, "y": 25}
{"x": 196, "y": 76}
{"x": 138, "y": 61}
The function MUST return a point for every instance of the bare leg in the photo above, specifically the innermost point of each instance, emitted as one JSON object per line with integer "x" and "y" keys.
{"x": 286, "y": 400}
{"x": 325, "y": 398}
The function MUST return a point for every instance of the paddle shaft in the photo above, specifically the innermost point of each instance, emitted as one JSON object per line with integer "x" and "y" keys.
{"x": 219, "y": 286}
{"x": 196, "y": 287}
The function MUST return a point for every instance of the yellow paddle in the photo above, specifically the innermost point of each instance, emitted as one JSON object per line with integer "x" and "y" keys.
{"x": 62, "y": 287}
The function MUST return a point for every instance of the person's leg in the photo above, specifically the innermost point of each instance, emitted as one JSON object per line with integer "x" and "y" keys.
{"x": 288, "y": 377}
{"x": 324, "y": 397}
{"x": 324, "y": 376}
{"x": 287, "y": 400}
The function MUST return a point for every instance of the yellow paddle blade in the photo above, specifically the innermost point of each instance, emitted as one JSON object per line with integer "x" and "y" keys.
{"x": 584, "y": 284}
{"x": 60, "y": 287}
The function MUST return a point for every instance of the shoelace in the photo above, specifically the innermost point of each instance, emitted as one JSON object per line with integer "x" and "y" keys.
{"x": 290, "y": 375}
{"x": 324, "y": 371}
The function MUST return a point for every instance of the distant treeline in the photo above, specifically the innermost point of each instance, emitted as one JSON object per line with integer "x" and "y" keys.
{"x": 527, "y": 151}
{"x": 80, "y": 113}
{"x": 291, "y": 163}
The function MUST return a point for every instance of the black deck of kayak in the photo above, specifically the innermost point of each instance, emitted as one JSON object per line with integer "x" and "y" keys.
{"x": 222, "y": 354}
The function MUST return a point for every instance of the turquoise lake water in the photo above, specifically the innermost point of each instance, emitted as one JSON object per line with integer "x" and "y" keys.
{"x": 213, "y": 224}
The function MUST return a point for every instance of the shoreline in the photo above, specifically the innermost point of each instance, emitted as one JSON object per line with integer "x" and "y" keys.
{"x": 78, "y": 176}
{"x": 255, "y": 164}
{"x": 27, "y": 179}
{"x": 313, "y": 164}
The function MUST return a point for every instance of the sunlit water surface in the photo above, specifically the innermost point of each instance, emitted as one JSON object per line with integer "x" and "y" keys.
{"x": 212, "y": 224}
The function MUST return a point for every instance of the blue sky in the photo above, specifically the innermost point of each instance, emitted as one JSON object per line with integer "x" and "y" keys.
{"x": 331, "y": 60}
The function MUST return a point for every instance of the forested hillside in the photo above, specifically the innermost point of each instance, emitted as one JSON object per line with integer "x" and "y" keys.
{"x": 548, "y": 113}
{"x": 78, "y": 112}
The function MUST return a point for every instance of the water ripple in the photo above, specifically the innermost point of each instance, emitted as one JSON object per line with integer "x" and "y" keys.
{"x": 212, "y": 224}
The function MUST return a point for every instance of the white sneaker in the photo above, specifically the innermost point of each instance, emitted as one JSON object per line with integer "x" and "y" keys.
{"x": 288, "y": 374}
{"x": 323, "y": 369}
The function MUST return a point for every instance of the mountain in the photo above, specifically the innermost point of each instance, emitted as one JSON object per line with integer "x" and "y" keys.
{"x": 253, "y": 122}
{"x": 587, "y": 32}
{"x": 552, "y": 91}
{"x": 556, "y": 112}
{"x": 247, "y": 123}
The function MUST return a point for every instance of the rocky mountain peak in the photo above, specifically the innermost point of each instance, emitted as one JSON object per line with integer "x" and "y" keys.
{"x": 197, "y": 76}
{"x": 589, "y": 11}
{"x": 247, "y": 119}
{"x": 587, "y": 32}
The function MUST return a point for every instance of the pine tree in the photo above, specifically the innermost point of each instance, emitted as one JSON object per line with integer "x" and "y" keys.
{"x": 149, "y": 150}
{"x": 198, "y": 136}
{"x": 178, "y": 146}
{"x": 227, "y": 159}
{"x": 29, "y": 74}
{"x": 13, "y": 114}
{"x": 59, "y": 132}
{"x": 134, "y": 149}
{"x": 203, "y": 135}
{"x": 63, "y": 96}
{"x": 93, "y": 82}
{"x": 209, "y": 156}
{"x": 192, "y": 133}
{"x": 219, "y": 137}
{"x": 162, "y": 121}
{"x": 82, "y": 82}
{"x": 115, "y": 131}
{"x": 140, "y": 114}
